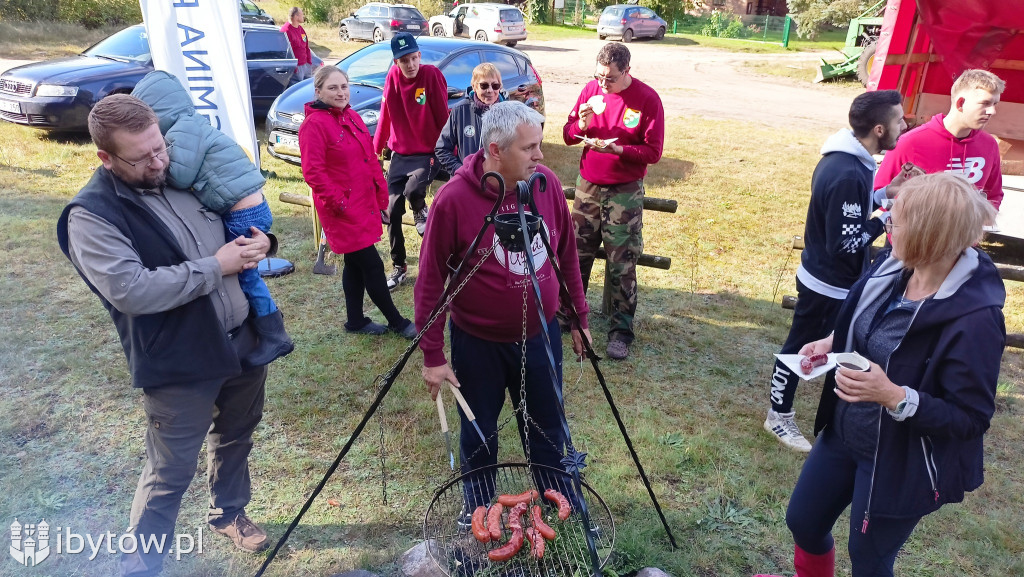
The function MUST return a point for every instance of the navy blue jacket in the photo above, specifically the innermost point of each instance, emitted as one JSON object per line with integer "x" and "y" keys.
{"x": 460, "y": 136}
{"x": 950, "y": 355}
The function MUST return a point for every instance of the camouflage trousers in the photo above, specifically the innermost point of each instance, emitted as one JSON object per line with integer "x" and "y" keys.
{"x": 612, "y": 215}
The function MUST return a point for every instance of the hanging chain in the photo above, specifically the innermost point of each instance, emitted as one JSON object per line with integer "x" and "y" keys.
{"x": 522, "y": 373}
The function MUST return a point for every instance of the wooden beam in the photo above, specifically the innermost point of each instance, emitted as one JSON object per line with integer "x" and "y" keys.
{"x": 655, "y": 204}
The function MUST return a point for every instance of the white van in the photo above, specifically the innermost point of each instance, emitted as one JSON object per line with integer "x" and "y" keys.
{"x": 498, "y": 23}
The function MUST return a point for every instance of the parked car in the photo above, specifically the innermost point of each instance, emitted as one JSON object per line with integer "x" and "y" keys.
{"x": 629, "y": 21}
{"x": 58, "y": 94}
{"x": 499, "y": 23}
{"x": 378, "y": 22}
{"x": 368, "y": 68}
{"x": 253, "y": 14}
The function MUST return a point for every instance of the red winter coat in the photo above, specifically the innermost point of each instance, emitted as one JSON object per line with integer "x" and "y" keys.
{"x": 348, "y": 185}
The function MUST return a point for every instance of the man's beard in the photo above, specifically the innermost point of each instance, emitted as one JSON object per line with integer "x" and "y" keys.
{"x": 888, "y": 140}
{"x": 156, "y": 182}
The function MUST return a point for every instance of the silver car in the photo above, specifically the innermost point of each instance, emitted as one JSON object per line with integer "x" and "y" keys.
{"x": 628, "y": 21}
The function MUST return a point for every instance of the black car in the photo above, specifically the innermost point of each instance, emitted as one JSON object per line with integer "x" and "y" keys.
{"x": 58, "y": 94}
{"x": 367, "y": 69}
{"x": 378, "y": 22}
{"x": 253, "y": 14}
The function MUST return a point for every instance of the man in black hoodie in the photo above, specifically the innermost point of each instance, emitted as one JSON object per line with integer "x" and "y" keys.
{"x": 837, "y": 240}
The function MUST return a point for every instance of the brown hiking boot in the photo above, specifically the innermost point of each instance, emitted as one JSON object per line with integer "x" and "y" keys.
{"x": 246, "y": 534}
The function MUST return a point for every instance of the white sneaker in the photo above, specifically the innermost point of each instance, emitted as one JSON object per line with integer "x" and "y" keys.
{"x": 420, "y": 218}
{"x": 783, "y": 426}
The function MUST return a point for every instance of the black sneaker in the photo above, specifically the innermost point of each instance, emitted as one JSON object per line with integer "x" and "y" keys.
{"x": 370, "y": 328}
{"x": 464, "y": 522}
{"x": 397, "y": 277}
{"x": 420, "y": 218}
{"x": 408, "y": 331}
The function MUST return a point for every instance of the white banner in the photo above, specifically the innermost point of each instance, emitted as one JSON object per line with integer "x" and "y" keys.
{"x": 200, "y": 42}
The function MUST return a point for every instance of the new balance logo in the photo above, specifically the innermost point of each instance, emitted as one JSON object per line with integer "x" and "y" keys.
{"x": 971, "y": 167}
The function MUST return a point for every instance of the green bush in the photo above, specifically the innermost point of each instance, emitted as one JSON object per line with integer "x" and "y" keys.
{"x": 97, "y": 13}
{"x": 724, "y": 25}
{"x": 28, "y": 9}
{"x": 89, "y": 13}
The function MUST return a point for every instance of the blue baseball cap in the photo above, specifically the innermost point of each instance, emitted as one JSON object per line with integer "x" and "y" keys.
{"x": 403, "y": 43}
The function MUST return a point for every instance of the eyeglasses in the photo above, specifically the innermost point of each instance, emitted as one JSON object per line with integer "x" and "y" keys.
{"x": 889, "y": 225}
{"x": 492, "y": 86}
{"x": 608, "y": 79}
{"x": 149, "y": 160}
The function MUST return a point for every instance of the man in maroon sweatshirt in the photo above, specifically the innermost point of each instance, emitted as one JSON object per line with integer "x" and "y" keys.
{"x": 488, "y": 321}
{"x": 622, "y": 123}
{"x": 300, "y": 43}
{"x": 413, "y": 110}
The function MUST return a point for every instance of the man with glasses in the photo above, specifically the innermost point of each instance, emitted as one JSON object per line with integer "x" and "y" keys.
{"x": 837, "y": 240}
{"x": 160, "y": 264}
{"x": 622, "y": 123}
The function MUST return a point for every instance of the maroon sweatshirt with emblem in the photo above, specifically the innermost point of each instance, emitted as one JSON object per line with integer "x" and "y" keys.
{"x": 412, "y": 111}
{"x": 635, "y": 117}
{"x": 490, "y": 306}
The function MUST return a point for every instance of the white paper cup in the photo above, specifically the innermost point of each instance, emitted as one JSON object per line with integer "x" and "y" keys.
{"x": 852, "y": 362}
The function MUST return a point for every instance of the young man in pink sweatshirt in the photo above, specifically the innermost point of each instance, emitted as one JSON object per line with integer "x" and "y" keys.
{"x": 955, "y": 142}
{"x": 623, "y": 122}
{"x": 413, "y": 110}
{"x": 300, "y": 44}
{"x": 487, "y": 316}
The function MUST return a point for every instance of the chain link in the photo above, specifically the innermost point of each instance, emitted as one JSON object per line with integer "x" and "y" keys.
{"x": 522, "y": 373}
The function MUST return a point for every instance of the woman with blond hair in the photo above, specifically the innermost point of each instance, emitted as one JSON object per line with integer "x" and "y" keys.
{"x": 349, "y": 192}
{"x": 905, "y": 437}
{"x": 460, "y": 136}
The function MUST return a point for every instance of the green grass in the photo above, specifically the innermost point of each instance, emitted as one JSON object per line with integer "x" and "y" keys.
{"x": 693, "y": 394}
{"x": 43, "y": 40}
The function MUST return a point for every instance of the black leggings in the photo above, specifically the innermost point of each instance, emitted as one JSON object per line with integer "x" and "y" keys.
{"x": 364, "y": 274}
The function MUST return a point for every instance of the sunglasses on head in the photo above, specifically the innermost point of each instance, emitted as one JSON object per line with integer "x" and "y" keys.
{"x": 492, "y": 86}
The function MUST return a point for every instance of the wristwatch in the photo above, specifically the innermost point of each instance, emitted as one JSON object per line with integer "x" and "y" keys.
{"x": 900, "y": 406}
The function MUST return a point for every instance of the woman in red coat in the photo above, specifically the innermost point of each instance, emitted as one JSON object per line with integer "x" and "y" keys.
{"x": 349, "y": 192}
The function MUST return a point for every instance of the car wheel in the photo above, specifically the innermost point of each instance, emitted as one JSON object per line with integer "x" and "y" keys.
{"x": 627, "y": 36}
{"x": 601, "y": 37}
{"x": 437, "y": 30}
{"x": 511, "y": 43}
{"x": 378, "y": 35}
{"x": 343, "y": 33}
{"x": 481, "y": 36}
{"x": 660, "y": 35}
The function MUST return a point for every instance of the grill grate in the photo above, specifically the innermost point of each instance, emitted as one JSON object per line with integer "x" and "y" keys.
{"x": 459, "y": 554}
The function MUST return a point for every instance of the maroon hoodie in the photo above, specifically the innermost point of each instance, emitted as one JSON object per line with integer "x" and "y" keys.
{"x": 412, "y": 111}
{"x": 932, "y": 148}
{"x": 490, "y": 305}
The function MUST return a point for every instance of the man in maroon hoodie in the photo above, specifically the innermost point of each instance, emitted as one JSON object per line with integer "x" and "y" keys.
{"x": 955, "y": 142}
{"x": 413, "y": 110}
{"x": 489, "y": 322}
{"x": 300, "y": 43}
{"x": 622, "y": 123}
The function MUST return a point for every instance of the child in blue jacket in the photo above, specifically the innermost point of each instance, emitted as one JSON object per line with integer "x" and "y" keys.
{"x": 224, "y": 179}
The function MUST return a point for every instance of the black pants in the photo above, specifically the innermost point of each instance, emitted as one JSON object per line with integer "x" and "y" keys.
{"x": 487, "y": 369}
{"x": 832, "y": 479}
{"x": 408, "y": 179}
{"x": 364, "y": 274}
{"x": 813, "y": 319}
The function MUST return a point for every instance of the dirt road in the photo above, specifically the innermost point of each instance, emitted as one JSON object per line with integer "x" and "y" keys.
{"x": 696, "y": 81}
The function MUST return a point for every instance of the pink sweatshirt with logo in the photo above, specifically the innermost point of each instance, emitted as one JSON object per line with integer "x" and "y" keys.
{"x": 933, "y": 149}
{"x": 635, "y": 117}
{"x": 412, "y": 112}
{"x": 490, "y": 305}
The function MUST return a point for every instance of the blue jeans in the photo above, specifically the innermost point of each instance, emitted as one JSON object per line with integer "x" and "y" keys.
{"x": 485, "y": 370}
{"x": 832, "y": 478}
{"x": 237, "y": 223}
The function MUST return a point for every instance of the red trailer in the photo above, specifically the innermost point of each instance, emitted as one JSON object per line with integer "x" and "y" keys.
{"x": 925, "y": 45}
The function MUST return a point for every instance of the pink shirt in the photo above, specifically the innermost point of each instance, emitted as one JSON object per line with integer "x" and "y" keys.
{"x": 300, "y": 43}
{"x": 412, "y": 111}
{"x": 490, "y": 306}
{"x": 635, "y": 117}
